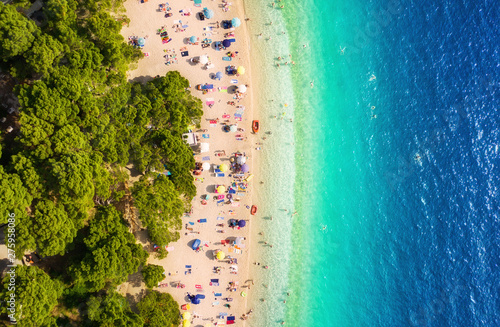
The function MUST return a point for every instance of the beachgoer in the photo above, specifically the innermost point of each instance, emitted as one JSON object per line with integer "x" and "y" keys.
{"x": 342, "y": 50}
{"x": 266, "y": 267}
{"x": 270, "y": 23}
{"x": 374, "y": 116}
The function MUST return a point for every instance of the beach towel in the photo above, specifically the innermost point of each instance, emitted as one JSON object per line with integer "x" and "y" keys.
{"x": 169, "y": 249}
{"x": 205, "y": 158}
{"x": 220, "y": 196}
{"x": 217, "y": 170}
{"x": 198, "y": 287}
{"x": 188, "y": 266}
{"x": 221, "y": 322}
{"x": 208, "y": 28}
{"x": 231, "y": 318}
{"x": 205, "y": 136}
{"x": 215, "y": 303}
{"x": 220, "y": 218}
{"x": 146, "y": 54}
{"x": 185, "y": 53}
{"x": 185, "y": 26}
{"x": 222, "y": 314}
{"x": 213, "y": 122}
{"x": 191, "y": 223}
{"x": 226, "y": 116}
{"x": 219, "y": 175}
{"x": 202, "y": 220}
{"x": 223, "y": 89}
{"x": 234, "y": 81}
{"x": 210, "y": 102}
{"x": 234, "y": 204}
{"x": 218, "y": 294}
{"x": 214, "y": 282}
{"x": 232, "y": 40}
{"x": 227, "y": 58}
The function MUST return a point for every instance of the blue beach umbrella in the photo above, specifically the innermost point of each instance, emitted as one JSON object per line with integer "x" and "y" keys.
{"x": 226, "y": 43}
{"x": 242, "y": 223}
{"x": 208, "y": 13}
{"x": 141, "y": 41}
{"x": 245, "y": 168}
{"x": 193, "y": 39}
{"x": 218, "y": 75}
{"x": 236, "y": 22}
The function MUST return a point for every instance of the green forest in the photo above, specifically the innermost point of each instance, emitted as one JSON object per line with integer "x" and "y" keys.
{"x": 66, "y": 152}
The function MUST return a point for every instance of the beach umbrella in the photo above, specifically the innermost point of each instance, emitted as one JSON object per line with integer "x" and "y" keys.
{"x": 203, "y": 59}
{"x": 241, "y": 160}
{"x": 226, "y": 43}
{"x": 208, "y": 13}
{"x": 186, "y": 323}
{"x": 221, "y": 189}
{"x": 243, "y": 294}
{"x": 238, "y": 240}
{"x": 206, "y": 166}
{"x": 193, "y": 39}
{"x": 236, "y": 22}
{"x": 241, "y": 70}
{"x": 218, "y": 75}
{"x": 223, "y": 168}
{"x": 242, "y": 88}
{"x": 245, "y": 168}
{"x": 186, "y": 315}
{"x": 196, "y": 244}
{"x": 204, "y": 147}
{"x": 220, "y": 255}
{"x": 233, "y": 128}
{"x": 141, "y": 41}
{"x": 242, "y": 223}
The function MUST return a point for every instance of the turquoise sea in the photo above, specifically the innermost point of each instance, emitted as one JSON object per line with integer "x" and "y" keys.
{"x": 391, "y": 161}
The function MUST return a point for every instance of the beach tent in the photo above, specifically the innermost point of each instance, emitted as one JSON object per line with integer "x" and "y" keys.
{"x": 141, "y": 41}
{"x": 221, "y": 189}
{"x": 223, "y": 168}
{"x": 241, "y": 160}
{"x": 204, "y": 147}
{"x": 196, "y": 244}
{"x": 197, "y": 3}
{"x": 220, "y": 255}
{"x": 193, "y": 39}
{"x": 206, "y": 166}
{"x": 203, "y": 59}
{"x": 233, "y": 128}
{"x": 242, "y": 223}
{"x": 245, "y": 168}
{"x": 236, "y": 22}
{"x": 242, "y": 88}
{"x": 241, "y": 70}
{"x": 226, "y": 43}
{"x": 186, "y": 315}
{"x": 218, "y": 75}
{"x": 186, "y": 323}
{"x": 208, "y": 13}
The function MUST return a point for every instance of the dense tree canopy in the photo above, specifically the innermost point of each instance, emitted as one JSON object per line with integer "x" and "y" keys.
{"x": 153, "y": 274}
{"x": 35, "y": 293}
{"x": 112, "y": 253}
{"x": 79, "y": 123}
{"x": 159, "y": 310}
{"x": 111, "y": 310}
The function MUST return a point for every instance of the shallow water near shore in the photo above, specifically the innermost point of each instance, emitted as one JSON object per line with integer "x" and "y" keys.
{"x": 391, "y": 163}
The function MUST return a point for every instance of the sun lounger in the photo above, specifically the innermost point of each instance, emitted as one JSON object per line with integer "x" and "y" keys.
{"x": 219, "y": 175}
{"x": 204, "y": 220}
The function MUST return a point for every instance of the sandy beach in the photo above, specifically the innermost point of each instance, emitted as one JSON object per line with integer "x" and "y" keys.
{"x": 198, "y": 271}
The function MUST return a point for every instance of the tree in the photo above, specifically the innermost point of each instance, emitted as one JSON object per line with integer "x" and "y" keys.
{"x": 14, "y": 196}
{"x": 159, "y": 309}
{"x": 110, "y": 310}
{"x": 17, "y": 33}
{"x": 153, "y": 274}
{"x": 112, "y": 253}
{"x": 160, "y": 208}
{"x": 45, "y": 51}
{"x": 49, "y": 228}
{"x": 36, "y": 296}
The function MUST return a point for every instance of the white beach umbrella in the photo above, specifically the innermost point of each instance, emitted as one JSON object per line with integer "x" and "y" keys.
{"x": 203, "y": 59}
{"x": 206, "y": 166}
{"x": 233, "y": 128}
{"x": 204, "y": 147}
{"x": 242, "y": 88}
{"x": 241, "y": 160}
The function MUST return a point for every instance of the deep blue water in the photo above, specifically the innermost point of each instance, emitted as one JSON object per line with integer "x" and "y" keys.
{"x": 410, "y": 198}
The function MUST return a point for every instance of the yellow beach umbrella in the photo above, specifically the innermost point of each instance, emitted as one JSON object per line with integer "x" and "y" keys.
{"x": 186, "y": 323}
{"x": 221, "y": 189}
{"x": 223, "y": 167}
{"x": 243, "y": 294}
{"x": 241, "y": 70}
{"x": 186, "y": 315}
{"x": 220, "y": 255}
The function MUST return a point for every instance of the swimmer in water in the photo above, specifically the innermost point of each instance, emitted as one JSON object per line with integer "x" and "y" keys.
{"x": 323, "y": 227}
{"x": 374, "y": 116}
{"x": 312, "y": 84}
{"x": 342, "y": 50}
{"x": 372, "y": 78}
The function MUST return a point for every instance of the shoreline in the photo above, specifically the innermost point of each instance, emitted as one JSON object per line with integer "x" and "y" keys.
{"x": 144, "y": 21}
